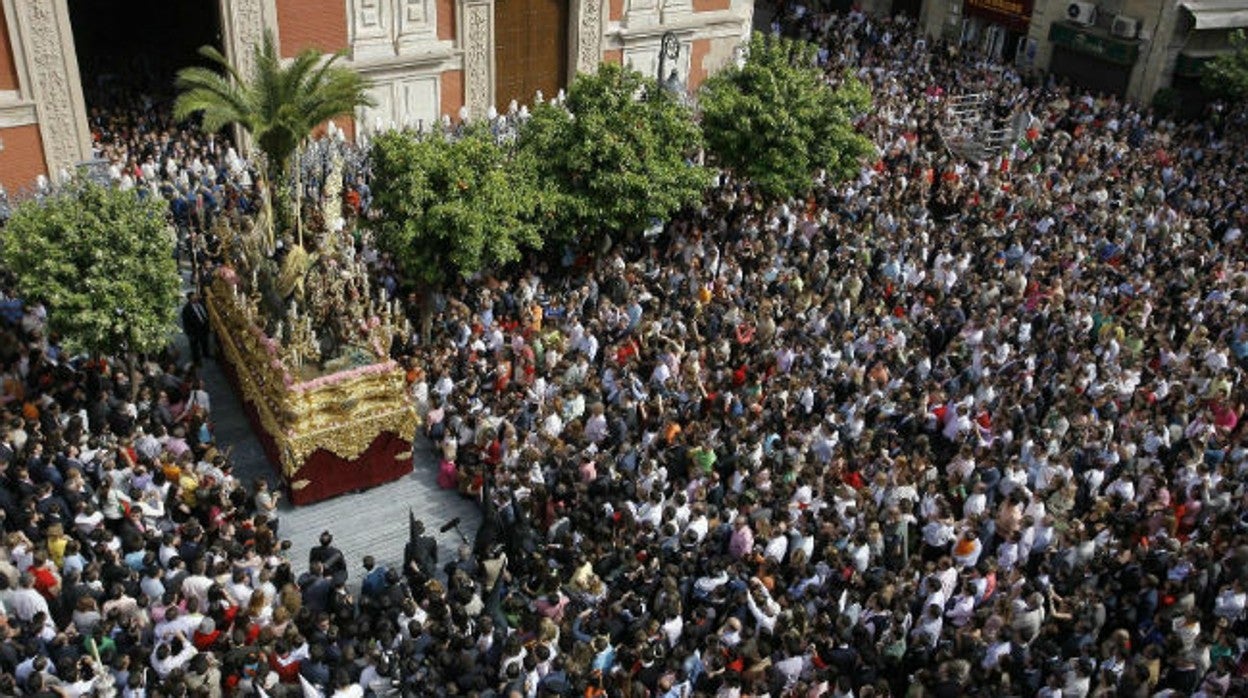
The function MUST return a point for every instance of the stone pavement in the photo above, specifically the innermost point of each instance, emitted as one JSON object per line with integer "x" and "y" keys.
{"x": 372, "y": 522}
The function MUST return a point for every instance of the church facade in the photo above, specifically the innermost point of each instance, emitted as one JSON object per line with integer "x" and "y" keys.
{"x": 426, "y": 59}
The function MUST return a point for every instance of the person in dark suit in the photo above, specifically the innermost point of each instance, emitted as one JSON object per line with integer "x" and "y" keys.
{"x": 420, "y": 555}
{"x": 329, "y": 556}
{"x": 195, "y": 325}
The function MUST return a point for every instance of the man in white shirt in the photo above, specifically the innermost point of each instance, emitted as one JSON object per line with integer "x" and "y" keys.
{"x": 24, "y": 602}
{"x": 165, "y": 662}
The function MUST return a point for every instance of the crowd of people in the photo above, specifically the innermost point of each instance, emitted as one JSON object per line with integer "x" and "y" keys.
{"x": 949, "y": 428}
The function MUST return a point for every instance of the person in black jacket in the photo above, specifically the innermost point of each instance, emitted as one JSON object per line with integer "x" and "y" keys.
{"x": 329, "y": 556}
{"x": 195, "y": 325}
{"x": 420, "y": 555}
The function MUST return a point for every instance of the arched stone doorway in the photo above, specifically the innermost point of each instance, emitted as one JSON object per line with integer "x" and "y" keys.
{"x": 129, "y": 49}
{"x": 530, "y": 49}
{"x": 45, "y": 58}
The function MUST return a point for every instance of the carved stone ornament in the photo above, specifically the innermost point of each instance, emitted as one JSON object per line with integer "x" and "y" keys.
{"x": 247, "y": 16}
{"x": 478, "y": 56}
{"x": 50, "y": 58}
{"x": 589, "y": 36}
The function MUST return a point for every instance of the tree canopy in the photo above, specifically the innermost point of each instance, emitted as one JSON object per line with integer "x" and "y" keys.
{"x": 279, "y": 104}
{"x": 616, "y": 156}
{"x": 776, "y": 121}
{"x": 452, "y": 206}
{"x": 1226, "y": 75}
{"x": 102, "y": 260}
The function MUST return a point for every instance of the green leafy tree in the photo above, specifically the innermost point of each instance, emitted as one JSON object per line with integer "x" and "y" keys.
{"x": 452, "y": 206}
{"x": 278, "y": 105}
{"x": 776, "y": 121}
{"x": 616, "y": 158}
{"x": 1227, "y": 74}
{"x": 102, "y": 261}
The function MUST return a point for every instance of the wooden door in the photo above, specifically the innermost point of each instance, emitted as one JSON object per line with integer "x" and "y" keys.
{"x": 531, "y": 49}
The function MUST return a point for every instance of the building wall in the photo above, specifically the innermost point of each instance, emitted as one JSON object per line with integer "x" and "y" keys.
{"x": 409, "y": 50}
{"x": 452, "y": 97}
{"x": 941, "y": 17}
{"x": 709, "y": 31}
{"x": 315, "y": 24}
{"x": 1043, "y": 14}
{"x": 43, "y": 121}
{"x": 446, "y": 20}
{"x": 21, "y": 157}
{"x": 8, "y": 70}
{"x": 1160, "y": 40}
{"x": 426, "y": 59}
{"x": 878, "y": 8}
{"x": 1162, "y": 34}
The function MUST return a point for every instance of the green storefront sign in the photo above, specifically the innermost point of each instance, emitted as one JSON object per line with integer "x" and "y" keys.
{"x": 1095, "y": 44}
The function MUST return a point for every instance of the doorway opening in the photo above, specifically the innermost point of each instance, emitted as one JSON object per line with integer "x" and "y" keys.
{"x": 129, "y": 51}
{"x": 531, "y": 49}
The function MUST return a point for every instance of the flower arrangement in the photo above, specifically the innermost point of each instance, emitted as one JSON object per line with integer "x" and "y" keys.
{"x": 344, "y": 376}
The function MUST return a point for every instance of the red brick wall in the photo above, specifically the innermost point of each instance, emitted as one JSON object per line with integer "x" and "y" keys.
{"x": 615, "y": 10}
{"x": 446, "y": 20}
{"x": 452, "y": 92}
{"x": 711, "y": 5}
{"x": 318, "y": 24}
{"x": 613, "y": 55}
{"x": 8, "y": 71}
{"x": 22, "y": 158}
{"x": 697, "y": 54}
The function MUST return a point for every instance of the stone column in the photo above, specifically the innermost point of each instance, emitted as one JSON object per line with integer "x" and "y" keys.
{"x": 586, "y": 37}
{"x": 477, "y": 39}
{"x": 243, "y": 23}
{"x": 46, "y": 45}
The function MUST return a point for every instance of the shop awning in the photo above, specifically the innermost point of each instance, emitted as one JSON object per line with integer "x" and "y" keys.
{"x": 1217, "y": 14}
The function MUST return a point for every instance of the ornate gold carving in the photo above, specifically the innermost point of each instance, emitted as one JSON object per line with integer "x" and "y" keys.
{"x": 342, "y": 413}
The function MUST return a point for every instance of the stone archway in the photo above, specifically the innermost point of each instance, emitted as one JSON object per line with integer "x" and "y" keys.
{"x": 47, "y": 67}
{"x": 42, "y": 41}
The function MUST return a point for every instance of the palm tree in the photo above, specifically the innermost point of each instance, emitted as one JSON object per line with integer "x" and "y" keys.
{"x": 277, "y": 105}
